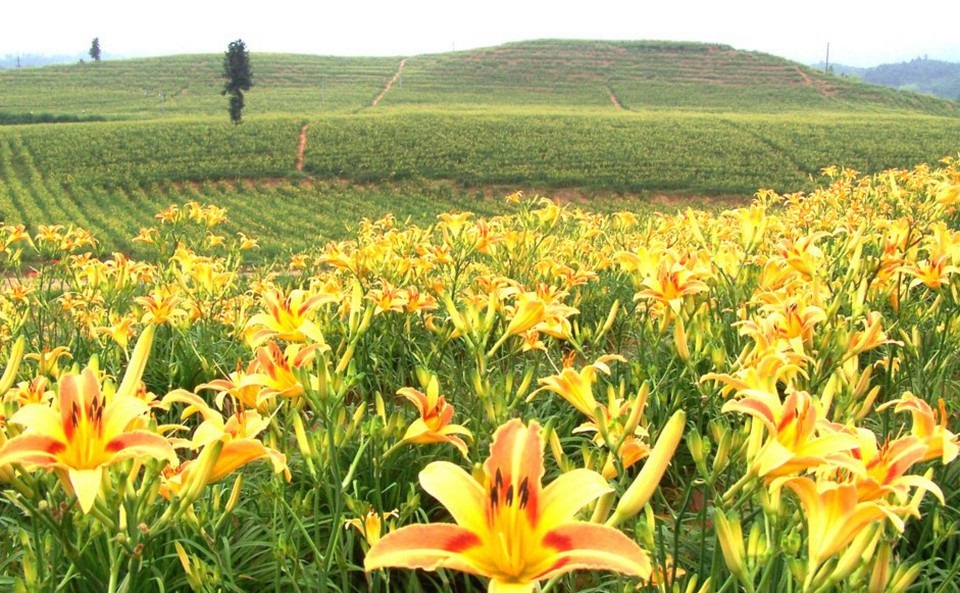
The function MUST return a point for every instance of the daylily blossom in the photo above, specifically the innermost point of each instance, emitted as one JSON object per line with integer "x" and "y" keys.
{"x": 85, "y": 435}
{"x": 577, "y": 387}
{"x": 797, "y": 440}
{"x": 371, "y": 524}
{"x": 509, "y": 527}
{"x": 671, "y": 285}
{"x": 287, "y": 317}
{"x": 884, "y": 468}
{"x": 941, "y": 443}
{"x": 835, "y": 516}
{"x": 433, "y": 425}
{"x": 160, "y": 307}
{"x": 246, "y": 387}
{"x": 225, "y": 445}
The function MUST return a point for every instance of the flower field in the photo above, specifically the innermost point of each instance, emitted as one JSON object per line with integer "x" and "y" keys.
{"x": 759, "y": 399}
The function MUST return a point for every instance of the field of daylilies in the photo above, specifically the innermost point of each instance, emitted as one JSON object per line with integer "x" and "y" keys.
{"x": 761, "y": 399}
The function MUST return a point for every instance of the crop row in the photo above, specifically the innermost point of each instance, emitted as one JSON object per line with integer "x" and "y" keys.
{"x": 131, "y": 153}
{"x": 105, "y": 175}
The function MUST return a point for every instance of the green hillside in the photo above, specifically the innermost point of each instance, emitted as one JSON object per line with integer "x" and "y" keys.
{"x": 555, "y": 74}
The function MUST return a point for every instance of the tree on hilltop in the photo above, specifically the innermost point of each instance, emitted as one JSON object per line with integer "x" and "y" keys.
{"x": 236, "y": 70}
{"x": 95, "y": 49}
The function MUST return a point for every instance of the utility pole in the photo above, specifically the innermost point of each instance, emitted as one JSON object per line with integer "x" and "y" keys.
{"x": 826, "y": 63}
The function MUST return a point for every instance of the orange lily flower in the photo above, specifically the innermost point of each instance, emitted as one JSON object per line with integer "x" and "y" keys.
{"x": 160, "y": 308}
{"x": 933, "y": 273}
{"x": 120, "y": 330}
{"x": 528, "y": 311}
{"x": 388, "y": 298}
{"x": 244, "y": 386}
{"x": 34, "y": 391}
{"x": 86, "y": 434}
{"x": 621, "y": 422}
{"x": 433, "y": 425}
{"x": 509, "y": 527}
{"x": 278, "y": 367}
{"x": 48, "y": 361}
{"x": 884, "y": 468}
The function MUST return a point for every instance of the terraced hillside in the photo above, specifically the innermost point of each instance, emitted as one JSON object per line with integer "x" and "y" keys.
{"x": 639, "y": 75}
{"x": 555, "y": 74}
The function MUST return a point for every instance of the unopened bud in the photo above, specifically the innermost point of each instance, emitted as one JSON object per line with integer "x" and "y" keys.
{"x": 656, "y": 464}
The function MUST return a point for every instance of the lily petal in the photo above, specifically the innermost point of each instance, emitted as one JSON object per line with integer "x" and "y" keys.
{"x": 565, "y": 496}
{"x": 589, "y": 546}
{"x": 458, "y": 491}
{"x": 433, "y": 546}
{"x": 86, "y": 485}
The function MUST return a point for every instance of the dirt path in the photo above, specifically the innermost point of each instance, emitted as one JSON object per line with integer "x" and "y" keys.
{"x": 386, "y": 89}
{"x": 613, "y": 98}
{"x": 820, "y": 86}
{"x": 301, "y": 146}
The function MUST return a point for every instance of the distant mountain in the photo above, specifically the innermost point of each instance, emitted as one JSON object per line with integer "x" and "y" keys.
{"x": 34, "y": 60}
{"x": 920, "y": 75}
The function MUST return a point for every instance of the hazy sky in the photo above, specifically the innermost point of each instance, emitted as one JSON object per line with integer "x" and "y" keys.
{"x": 860, "y": 33}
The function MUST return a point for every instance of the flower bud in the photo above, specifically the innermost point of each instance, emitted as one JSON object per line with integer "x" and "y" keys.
{"x": 656, "y": 464}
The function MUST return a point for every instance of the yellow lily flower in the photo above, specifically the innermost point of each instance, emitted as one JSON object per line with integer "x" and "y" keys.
{"x": 671, "y": 285}
{"x": 835, "y": 516}
{"x": 287, "y": 317}
{"x": 797, "y": 440}
{"x": 528, "y": 311}
{"x": 48, "y": 361}
{"x": 160, "y": 306}
{"x": 371, "y": 524}
{"x": 225, "y": 445}
{"x": 509, "y": 527}
{"x": 577, "y": 387}
{"x": 245, "y": 386}
{"x": 940, "y": 442}
{"x": 277, "y": 368}
{"x": 884, "y": 468}
{"x": 82, "y": 437}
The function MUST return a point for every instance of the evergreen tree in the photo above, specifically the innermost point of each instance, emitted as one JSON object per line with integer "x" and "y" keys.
{"x": 239, "y": 78}
{"x": 95, "y": 49}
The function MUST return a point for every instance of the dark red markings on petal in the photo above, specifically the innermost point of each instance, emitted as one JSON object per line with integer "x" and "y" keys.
{"x": 55, "y": 447}
{"x": 115, "y": 446}
{"x": 558, "y": 542}
{"x": 461, "y": 542}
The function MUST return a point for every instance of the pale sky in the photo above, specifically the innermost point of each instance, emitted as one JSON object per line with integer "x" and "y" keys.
{"x": 859, "y": 32}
